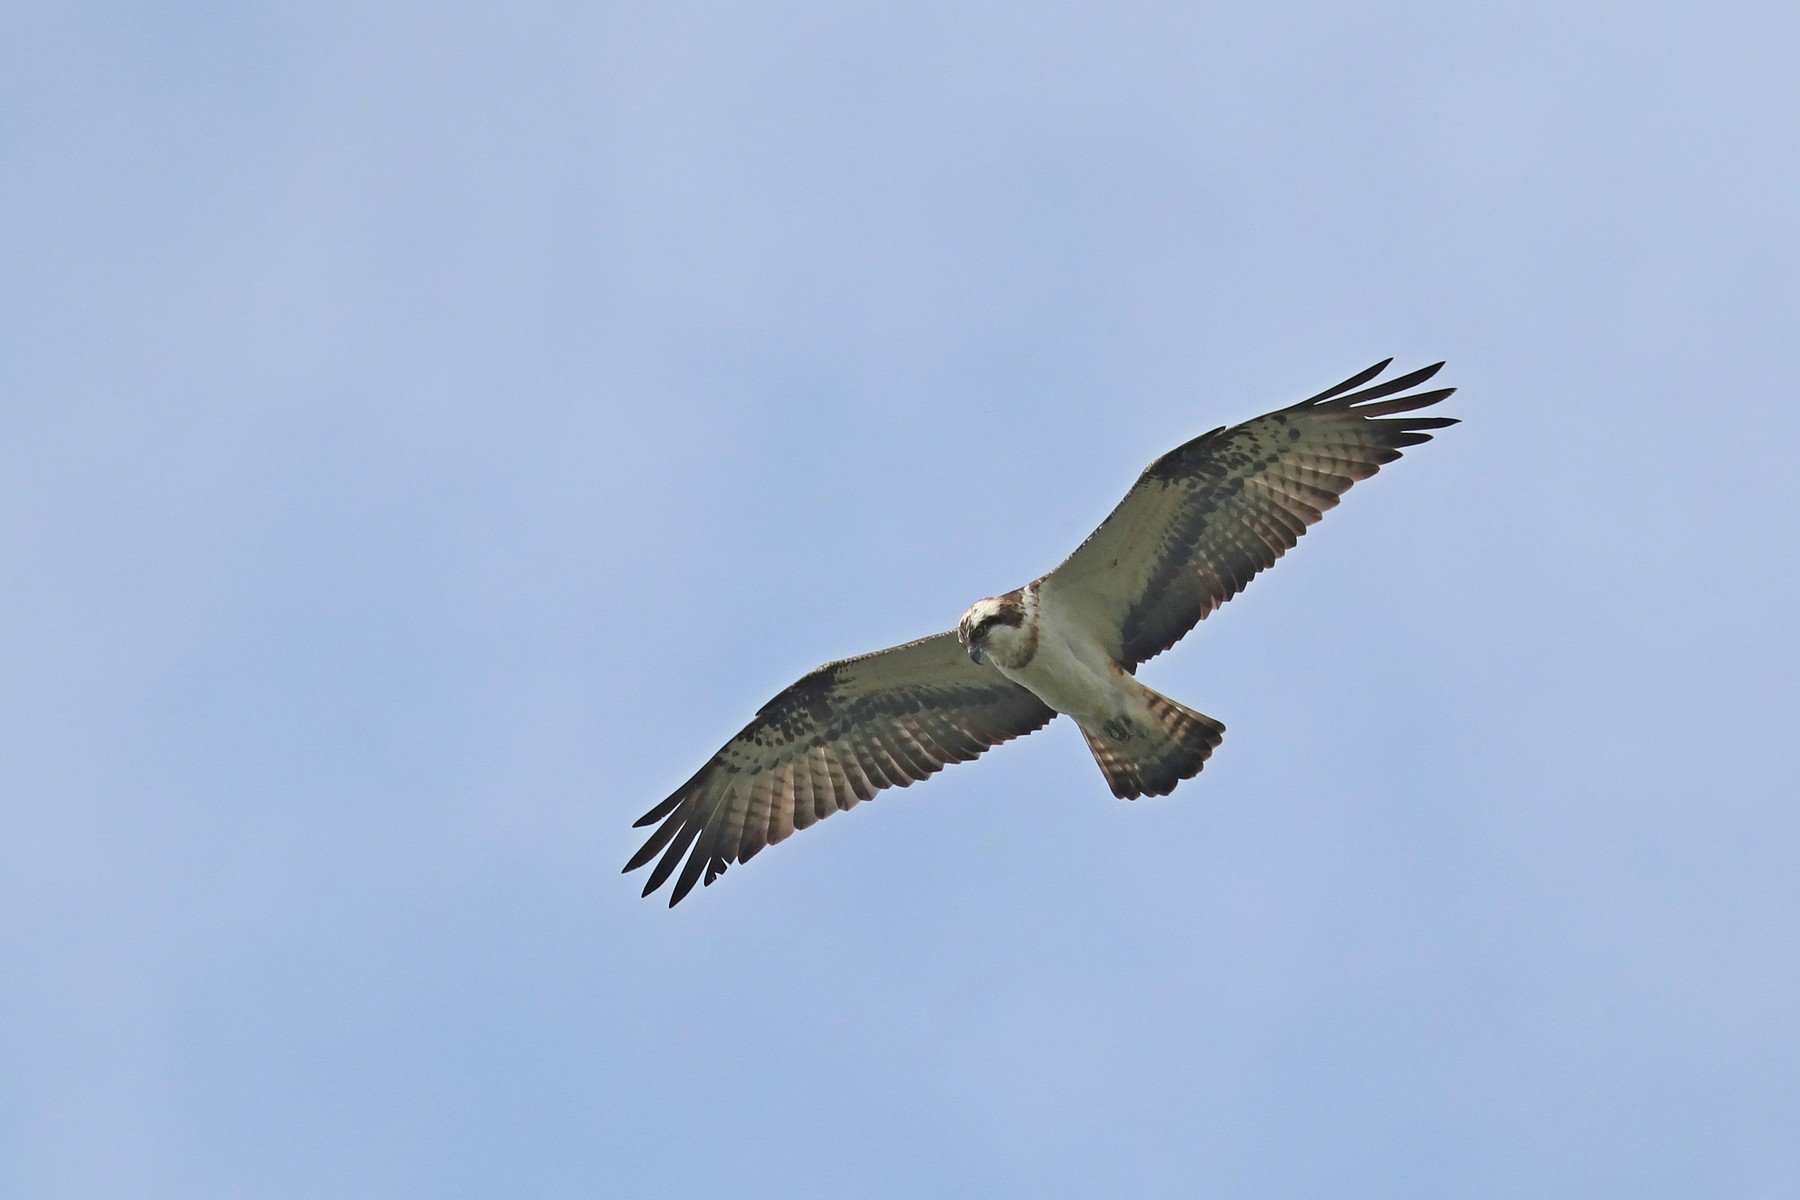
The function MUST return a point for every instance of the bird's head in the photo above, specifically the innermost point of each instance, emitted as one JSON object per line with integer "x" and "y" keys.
{"x": 983, "y": 617}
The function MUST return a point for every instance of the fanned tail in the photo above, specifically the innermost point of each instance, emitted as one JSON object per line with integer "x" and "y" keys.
{"x": 1150, "y": 754}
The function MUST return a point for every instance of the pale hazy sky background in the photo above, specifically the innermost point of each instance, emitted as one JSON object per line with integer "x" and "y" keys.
{"x": 431, "y": 430}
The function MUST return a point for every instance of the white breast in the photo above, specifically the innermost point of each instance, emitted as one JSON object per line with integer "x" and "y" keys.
{"x": 1070, "y": 671}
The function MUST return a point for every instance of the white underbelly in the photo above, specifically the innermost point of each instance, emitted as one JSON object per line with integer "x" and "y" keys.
{"x": 1073, "y": 678}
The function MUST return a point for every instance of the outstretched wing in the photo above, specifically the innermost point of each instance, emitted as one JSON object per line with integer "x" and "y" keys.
{"x": 833, "y": 739}
{"x": 1207, "y": 516}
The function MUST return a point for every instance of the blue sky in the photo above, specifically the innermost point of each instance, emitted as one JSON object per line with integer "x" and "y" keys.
{"x": 432, "y": 430}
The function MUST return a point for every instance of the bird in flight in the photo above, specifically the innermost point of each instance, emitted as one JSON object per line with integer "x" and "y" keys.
{"x": 1192, "y": 531}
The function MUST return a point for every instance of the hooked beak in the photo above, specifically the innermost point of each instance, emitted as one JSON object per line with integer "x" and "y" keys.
{"x": 975, "y": 654}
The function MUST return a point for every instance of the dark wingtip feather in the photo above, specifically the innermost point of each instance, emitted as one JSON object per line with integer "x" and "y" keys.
{"x": 656, "y": 841}
{"x": 660, "y": 811}
{"x": 1399, "y": 404}
{"x": 690, "y": 875}
{"x": 672, "y": 856}
{"x": 705, "y": 857}
{"x": 648, "y": 850}
{"x": 1400, "y": 383}
{"x": 1355, "y": 381}
{"x": 681, "y": 793}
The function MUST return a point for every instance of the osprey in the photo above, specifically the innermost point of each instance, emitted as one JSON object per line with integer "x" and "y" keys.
{"x": 1198, "y": 524}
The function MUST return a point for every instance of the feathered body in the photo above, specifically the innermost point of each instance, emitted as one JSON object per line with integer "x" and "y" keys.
{"x": 1198, "y": 524}
{"x": 1144, "y": 742}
